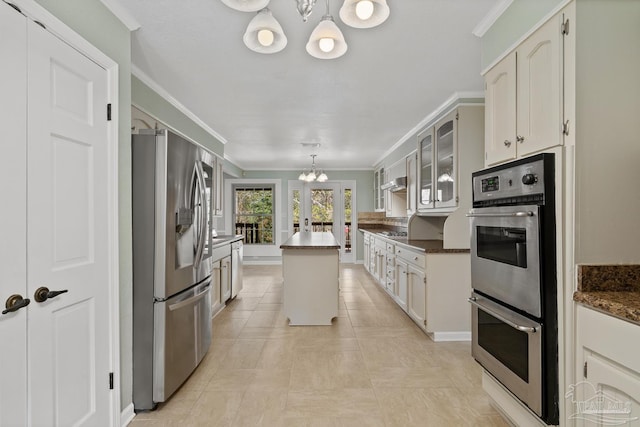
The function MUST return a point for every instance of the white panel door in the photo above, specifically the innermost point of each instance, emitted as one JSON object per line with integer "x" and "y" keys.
{"x": 539, "y": 118}
{"x": 67, "y": 235}
{"x": 500, "y": 111}
{"x": 13, "y": 193}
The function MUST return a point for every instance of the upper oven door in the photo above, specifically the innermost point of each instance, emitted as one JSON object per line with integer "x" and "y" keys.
{"x": 505, "y": 256}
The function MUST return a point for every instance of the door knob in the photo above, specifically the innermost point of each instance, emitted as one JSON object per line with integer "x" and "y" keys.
{"x": 43, "y": 293}
{"x": 14, "y": 303}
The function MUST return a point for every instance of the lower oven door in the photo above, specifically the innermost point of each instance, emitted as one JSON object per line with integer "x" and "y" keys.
{"x": 509, "y": 347}
{"x": 505, "y": 255}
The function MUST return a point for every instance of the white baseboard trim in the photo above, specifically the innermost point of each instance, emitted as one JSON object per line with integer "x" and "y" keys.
{"x": 451, "y": 336}
{"x": 258, "y": 262}
{"x": 511, "y": 409}
{"x": 127, "y": 415}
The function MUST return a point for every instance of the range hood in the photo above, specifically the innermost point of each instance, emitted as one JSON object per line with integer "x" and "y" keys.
{"x": 398, "y": 184}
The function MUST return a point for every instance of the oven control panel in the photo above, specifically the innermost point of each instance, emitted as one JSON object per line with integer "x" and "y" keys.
{"x": 510, "y": 184}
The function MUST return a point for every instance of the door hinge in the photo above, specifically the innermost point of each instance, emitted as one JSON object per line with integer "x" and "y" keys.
{"x": 424, "y": 279}
{"x": 110, "y": 380}
{"x": 565, "y": 128}
{"x": 457, "y": 115}
{"x": 584, "y": 370}
{"x": 108, "y": 112}
{"x": 565, "y": 27}
{"x": 425, "y": 323}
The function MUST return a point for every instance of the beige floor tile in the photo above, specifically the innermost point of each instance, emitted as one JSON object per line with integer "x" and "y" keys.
{"x": 371, "y": 367}
{"x": 333, "y": 403}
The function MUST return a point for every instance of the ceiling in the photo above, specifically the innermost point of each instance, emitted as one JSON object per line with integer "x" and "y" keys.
{"x": 265, "y": 106}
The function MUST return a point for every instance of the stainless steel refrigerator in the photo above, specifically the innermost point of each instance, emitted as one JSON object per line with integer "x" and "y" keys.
{"x": 172, "y": 213}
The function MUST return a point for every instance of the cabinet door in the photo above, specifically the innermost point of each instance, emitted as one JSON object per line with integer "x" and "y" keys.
{"x": 401, "y": 283}
{"x": 425, "y": 170}
{"x": 500, "y": 111}
{"x": 216, "y": 295}
{"x": 13, "y": 192}
{"x": 417, "y": 304}
{"x": 446, "y": 174}
{"x": 225, "y": 278}
{"x": 412, "y": 188}
{"x": 539, "y": 95}
{"x": 366, "y": 256}
{"x": 614, "y": 393}
{"x": 218, "y": 200}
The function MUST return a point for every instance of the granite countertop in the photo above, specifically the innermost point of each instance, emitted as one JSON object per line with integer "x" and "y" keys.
{"x": 611, "y": 289}
{"x": 311, "y": 240}
{"x": 426, "y": 246}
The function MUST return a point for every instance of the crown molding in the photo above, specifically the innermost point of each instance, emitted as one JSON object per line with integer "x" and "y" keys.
{"x": 144, "y": 78}
{"x": 490, "y": 18}
{"x": 122, "y": 14}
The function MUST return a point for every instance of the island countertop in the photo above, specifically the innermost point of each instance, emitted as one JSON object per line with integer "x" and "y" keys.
{"x": 311, "y": 240}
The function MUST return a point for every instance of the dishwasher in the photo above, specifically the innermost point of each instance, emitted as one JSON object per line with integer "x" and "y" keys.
{"x": 236, "y": 268}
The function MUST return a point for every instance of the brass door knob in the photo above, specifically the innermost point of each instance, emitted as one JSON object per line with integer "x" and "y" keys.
{"x": 43, "y": 293}
{"x": 14, "y": 303}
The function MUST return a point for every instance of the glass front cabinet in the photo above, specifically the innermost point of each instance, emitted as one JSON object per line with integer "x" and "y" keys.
{"x": 437, "y": 165}
{"x": 378, "y": 193}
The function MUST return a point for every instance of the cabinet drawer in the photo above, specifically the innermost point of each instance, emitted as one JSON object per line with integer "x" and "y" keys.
{"x": 367, "y": 238}
{"x": 391, "y": 248}
{"x": 411, "y": 257}
{"x": 220, "y": 252}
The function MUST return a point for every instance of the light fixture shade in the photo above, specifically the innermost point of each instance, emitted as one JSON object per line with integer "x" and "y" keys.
{"x": 302, "y": 176}
{"x": 323, "y": 177}
{"x": 349, "y": 16}
{"x": 264, "y": 20}
{"x": 246, "y": 5}
{"x": 326, "y": 29}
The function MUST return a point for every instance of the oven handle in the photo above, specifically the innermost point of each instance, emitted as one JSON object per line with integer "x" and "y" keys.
{"x": 527, "y": 329}
{"x": 500, "y": 215}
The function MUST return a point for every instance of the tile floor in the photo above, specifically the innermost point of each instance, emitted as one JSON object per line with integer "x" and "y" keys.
{"x": 372, "y": 367}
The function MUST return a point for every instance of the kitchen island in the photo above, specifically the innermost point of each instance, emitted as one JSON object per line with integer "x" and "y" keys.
{"x": 310, "y": 266}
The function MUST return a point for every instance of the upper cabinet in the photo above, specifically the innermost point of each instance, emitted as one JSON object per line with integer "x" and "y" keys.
{"x": 218, "y": 188}
{"x": 412, "y": 180}
{"x": 437, "y": 161}
{"x": 523, "y": 96}
{"x": 378, "y": 194}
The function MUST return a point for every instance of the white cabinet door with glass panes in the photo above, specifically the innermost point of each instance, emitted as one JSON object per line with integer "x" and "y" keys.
{"x": 438, "y": 174}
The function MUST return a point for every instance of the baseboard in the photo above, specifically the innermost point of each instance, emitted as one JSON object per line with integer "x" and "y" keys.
{"x": 451, "y": 336}
{"x": 514, "y": 412}
{"x": 127, "y": 415}
{"x": 258, "y": 262}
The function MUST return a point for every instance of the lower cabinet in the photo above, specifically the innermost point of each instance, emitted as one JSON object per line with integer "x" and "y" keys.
{"x": 367, "y": 254}
{"x": 216, "y": 297}
{"x": 225, "y": 278}
{"x": 417, "y": 303}
{"x": 401, "y": 286}
{"x": 607, "y": 387}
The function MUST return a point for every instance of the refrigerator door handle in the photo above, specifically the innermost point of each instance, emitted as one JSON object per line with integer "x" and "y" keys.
{"x": 189, "y": 301}
{"x": 200, "y": 235}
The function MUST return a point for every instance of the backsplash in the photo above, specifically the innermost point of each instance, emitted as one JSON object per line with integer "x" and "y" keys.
{"x": 380, "y": 220}
{"x": 609, "y": 278}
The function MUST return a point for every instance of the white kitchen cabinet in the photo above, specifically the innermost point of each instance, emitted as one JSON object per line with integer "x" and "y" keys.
{"x": 217, "y": 303}
{"x": 523, "y": 96}
{"x": 401, "y": 285}
{"x": 439, "y": 159}
{"x": 378, "y": 193}
{"x": 225, "y": 278}
{"x": 607, "y": 370}
{"x": 411, "y": 162}
{"x": 417, "y": 296}
{"x": 438, "y": 174}
{"x": 367, "y": 255}
{"x": 380, "y": 272}
{"x": 218, "y": 187}
{"x": 390, "y": 270}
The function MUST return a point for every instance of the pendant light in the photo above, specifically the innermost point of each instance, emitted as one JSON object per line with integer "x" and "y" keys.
{"x": 246, "y": 5}
{"x": 264, "y": 33}
{"x": 314, "y": 174}
{"x": 326, "y": 40}
{"x": 364, "y": 13}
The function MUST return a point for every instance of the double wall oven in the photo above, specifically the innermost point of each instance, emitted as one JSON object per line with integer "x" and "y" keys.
{"x": 513, "y": 266}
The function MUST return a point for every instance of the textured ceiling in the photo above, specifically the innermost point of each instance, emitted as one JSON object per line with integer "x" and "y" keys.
{"x": 265, "y": 106}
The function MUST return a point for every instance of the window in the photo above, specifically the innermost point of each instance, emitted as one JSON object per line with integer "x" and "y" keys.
{"x": 254, "y": 213}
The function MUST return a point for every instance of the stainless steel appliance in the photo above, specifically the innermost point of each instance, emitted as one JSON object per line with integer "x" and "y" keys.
{"x": 172, "y": 243}
{"x": 513, "y": 276}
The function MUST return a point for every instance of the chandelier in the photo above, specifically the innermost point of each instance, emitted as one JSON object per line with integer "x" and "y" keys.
{"x": 313, "y": 174}
{"x": 265, "y": 34}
